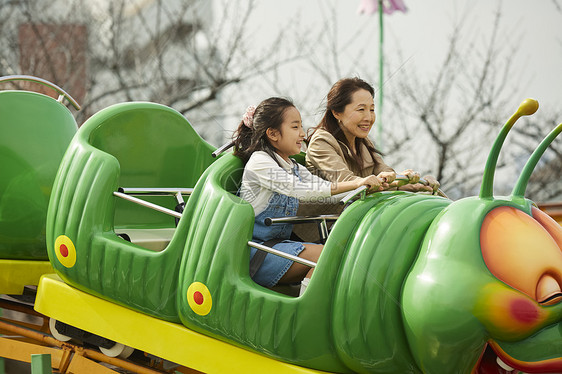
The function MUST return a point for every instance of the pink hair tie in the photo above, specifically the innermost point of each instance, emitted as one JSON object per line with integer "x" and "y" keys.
{"x": 248, "y": 117}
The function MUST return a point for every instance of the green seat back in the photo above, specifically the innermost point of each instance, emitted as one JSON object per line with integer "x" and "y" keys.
{"x": 156, "y": 147}
{"x": 35, "y": 131}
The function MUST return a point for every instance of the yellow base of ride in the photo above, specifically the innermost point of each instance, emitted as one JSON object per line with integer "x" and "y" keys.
{"x": 170, "y": 341}
{"x": 16, "y": 274}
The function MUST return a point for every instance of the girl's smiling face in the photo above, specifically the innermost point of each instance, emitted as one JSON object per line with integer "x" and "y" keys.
{"x": 288, "y": 139}
{"x": 358, "y": 116}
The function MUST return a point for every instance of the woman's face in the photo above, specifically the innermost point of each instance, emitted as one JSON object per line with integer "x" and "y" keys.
{"x": 358, "y": 116}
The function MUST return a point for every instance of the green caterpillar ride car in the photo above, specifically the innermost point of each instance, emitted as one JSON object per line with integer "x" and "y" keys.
{"x": 406, "y": 283}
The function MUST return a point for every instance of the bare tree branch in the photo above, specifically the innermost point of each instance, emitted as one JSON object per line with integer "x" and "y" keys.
{"x": 467, "y": 87}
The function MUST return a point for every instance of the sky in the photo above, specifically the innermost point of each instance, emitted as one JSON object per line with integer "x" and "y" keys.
{"x": 537, "y": 25}
{"x": 422, "y": 34}
{"x": 533, "y": 28}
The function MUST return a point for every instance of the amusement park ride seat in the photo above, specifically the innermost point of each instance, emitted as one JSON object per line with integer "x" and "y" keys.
{"x": 36, "y": 129}
{"x": 158, "y": 151}
{"x": 35, "y": 132}
{"x": 125, "y": 147}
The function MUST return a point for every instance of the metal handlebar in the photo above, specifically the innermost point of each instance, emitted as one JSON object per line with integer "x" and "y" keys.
{"x": 155, "y": 191}
{"x": 359, "y": 190}
{"x": 363, "y": 189}
{"x": 222, "y": 149}
{"x": 147, "y": 204}
{"x": 301, "y": 219}
{"x": 424, "y": 182}
{"x": 400, "y": 177}
{"x": 62, "y": 93}
{"x": 276, "y": 252}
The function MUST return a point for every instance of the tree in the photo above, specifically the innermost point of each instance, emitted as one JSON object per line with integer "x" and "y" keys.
{"x": 201, "y": 59}
{"x": 545, "y": 182}
{"x": 459, "y": 109}
{"x": 177, "y": 53}
{"x": 437, "y": 123}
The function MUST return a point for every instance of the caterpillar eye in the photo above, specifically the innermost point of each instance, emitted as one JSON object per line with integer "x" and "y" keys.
{"x": 524, "y": 252}
{"x": 555, "y": 299}
{"x": 548, "y": 291}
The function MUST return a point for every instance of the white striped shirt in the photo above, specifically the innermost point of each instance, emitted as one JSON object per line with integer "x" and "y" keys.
{"x": 263, "y": 176}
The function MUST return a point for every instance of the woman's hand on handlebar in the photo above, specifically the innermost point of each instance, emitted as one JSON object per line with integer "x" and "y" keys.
{"x": 432, "y": 182}
{"x": 413, "y": 176}
{"x": 387, "y": 176}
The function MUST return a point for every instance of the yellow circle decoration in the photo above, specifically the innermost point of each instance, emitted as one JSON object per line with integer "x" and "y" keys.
{"x": 199, "y": 298}
{"x": 65, "y": 251}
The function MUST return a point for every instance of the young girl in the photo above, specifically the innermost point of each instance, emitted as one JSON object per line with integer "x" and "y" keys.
{"x": 274, "y": 183}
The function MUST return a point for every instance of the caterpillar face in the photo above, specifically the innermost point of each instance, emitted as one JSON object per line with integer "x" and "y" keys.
{"x": 487, "y": 285}
{"x": 522, "y": 313}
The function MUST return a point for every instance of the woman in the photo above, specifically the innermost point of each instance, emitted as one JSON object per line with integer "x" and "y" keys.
{"x": 339, "y": 148}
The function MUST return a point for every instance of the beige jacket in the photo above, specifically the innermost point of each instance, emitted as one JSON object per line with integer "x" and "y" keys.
{"x": 325, "y": 157}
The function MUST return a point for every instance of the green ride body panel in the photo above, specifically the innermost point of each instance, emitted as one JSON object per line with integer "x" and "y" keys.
{"x": 380, "y": 236}
{"x": 84, "y": 209}
{"x": 154, "y": 149}
{"x": 367, "y": 320}
{"x": 35, "y": 131}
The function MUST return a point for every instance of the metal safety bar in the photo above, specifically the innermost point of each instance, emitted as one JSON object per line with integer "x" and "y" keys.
{"x": 422, "y": 181}
{"x": 276, "y": 252}
{"x": 320, "y": 219}
{"x": 62, "y": 93}
{"x": 147, "y": 204}
{"x": 144, "y": 191}
{"x": 155, "y": 191}
{"x": 362, "y": 190}
{"x": 222, "y": 149}
{"x": 178, "y": 215}
{"x": 301, "y": 219}
{"x": 180, "y": 200}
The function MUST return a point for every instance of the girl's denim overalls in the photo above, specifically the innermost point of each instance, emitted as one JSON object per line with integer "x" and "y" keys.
{"x": 274, "y": 267}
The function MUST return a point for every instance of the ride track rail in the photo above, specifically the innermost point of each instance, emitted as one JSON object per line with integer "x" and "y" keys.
{"x": 20, "y": 340}
{"x": 195, "y": 352}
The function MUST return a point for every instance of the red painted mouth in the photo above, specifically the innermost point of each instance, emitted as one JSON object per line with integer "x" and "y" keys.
{"x": 489, "y": 364}
{"x": 495, "y": 361}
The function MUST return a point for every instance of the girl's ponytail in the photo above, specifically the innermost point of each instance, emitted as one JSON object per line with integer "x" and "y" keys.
{"x": 244, "y": 133}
